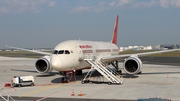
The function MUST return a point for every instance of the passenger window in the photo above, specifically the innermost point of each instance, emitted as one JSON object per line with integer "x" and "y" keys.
{"x": 67, "y": 52}
{"x": 55, "y": 52}
{"x": 61, "y": 52}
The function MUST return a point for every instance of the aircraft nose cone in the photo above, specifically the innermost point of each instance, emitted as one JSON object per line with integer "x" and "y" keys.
{"x": 56, "y": 62}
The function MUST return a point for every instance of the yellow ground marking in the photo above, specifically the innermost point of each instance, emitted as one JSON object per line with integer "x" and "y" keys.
{"x": 152, "y": 70}
{"x": 40, "y": 90}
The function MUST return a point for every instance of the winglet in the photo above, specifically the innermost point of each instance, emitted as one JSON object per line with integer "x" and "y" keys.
{"x": 114, "y": 38}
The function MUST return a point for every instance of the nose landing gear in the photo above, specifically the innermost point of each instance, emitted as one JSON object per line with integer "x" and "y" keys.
{"x": 66, "y": 78}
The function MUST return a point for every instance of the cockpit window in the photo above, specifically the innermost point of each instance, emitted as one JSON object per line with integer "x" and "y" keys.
{"x": 61, "y": 52}
{"x": 55, "y": 52}
{"x": 67, "y": 52}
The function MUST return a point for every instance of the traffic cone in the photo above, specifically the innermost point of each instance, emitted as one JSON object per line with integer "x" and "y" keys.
{"x": 167, "y": 76}
{"x": 72, "y": 94}
{"x": 80, "y": 93}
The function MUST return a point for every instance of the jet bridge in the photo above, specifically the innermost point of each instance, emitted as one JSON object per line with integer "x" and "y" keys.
{"x": 110, "y": 74}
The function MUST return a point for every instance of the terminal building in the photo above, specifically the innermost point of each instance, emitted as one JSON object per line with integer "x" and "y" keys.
{"x": 166, "y": 46}
{"x": 157, "y": 47}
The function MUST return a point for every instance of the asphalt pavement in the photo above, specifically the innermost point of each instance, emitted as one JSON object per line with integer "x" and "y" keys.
{"x": 156, "y": 82}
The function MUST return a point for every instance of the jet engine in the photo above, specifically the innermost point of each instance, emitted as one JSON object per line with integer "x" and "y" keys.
{"x": 42, "y": 65}
{"x": 132, "y": 65}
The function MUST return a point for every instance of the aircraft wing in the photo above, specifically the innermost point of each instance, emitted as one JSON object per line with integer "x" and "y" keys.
{"x": 129, "y": 49}
{"x": 34, "y": 51}
{"x": 121, "y": 57}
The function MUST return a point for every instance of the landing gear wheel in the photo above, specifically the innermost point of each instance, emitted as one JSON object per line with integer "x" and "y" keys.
{"x": 62, "y": 80}
{"x": 119, "y": 72}
{"x": 65, "y": 80}
{"x": 78, "y": 72}
{"x": 61, "y": 73}
{"x": 109, "y": 83}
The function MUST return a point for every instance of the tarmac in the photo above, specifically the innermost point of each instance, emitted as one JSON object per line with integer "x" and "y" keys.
{"x": 156, "y": 81}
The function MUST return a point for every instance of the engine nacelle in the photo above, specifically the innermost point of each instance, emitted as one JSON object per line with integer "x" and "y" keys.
{"x": 42, "y": 65}
{"x": 132, "y": 65}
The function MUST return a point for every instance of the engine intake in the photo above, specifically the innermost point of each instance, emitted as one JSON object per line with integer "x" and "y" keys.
{"x": 132, "y": 65}
{"x": 42, "y": 65}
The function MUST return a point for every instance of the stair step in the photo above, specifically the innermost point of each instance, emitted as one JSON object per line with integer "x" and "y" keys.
{"x": 100, "y": 67}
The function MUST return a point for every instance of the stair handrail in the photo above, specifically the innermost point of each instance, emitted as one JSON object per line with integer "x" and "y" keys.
{"x": 8, "y": 97}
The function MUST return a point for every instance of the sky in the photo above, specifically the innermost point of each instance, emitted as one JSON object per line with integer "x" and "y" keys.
{"x": 46, "y": 23}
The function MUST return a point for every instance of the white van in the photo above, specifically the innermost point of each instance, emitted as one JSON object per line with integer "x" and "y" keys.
{"x": 22, "y": 81}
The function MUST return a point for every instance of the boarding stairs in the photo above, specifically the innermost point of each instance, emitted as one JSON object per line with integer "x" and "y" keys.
{"x": 110, "y": 74}
{"x": 7, "y": 98}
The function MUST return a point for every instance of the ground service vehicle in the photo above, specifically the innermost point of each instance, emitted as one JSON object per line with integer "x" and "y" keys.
{"x": 22, "y": 81}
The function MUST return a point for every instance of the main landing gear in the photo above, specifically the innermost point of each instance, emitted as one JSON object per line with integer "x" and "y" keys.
{"x": 66, "y": 78}
{"x": 115, "y": 65}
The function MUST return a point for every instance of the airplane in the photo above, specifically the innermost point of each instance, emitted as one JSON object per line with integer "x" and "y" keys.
{"x": 71, "y": 56}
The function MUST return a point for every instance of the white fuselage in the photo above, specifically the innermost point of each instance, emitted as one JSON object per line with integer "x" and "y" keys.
{"x": 69, "y": 55}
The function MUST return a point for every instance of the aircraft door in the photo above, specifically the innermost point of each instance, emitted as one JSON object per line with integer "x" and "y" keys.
{"x": 80, "y": 54}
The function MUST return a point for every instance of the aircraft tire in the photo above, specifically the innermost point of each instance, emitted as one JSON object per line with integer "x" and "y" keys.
{"x": 119, "y": 72}
{"x": 67, "y": 80}
{"x": 79, "y": 72}
{"x": 62, "y": 80}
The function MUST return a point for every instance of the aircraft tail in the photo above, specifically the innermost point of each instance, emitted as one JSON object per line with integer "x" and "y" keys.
{"x": 114, "y": 38}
